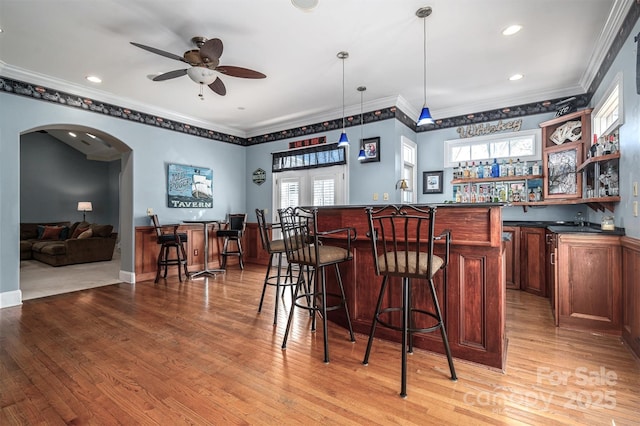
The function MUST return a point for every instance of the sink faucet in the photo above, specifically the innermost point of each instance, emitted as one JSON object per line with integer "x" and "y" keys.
{"x": 579, "y": 220}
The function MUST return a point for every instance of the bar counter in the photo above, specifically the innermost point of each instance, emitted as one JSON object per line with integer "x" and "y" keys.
{"x": 473, "y": 302}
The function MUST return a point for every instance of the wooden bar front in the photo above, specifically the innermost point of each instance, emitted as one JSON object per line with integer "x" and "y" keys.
{"x": 473, "y": 303}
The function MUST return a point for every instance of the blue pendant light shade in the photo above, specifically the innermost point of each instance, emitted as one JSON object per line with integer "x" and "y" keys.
{"x": 361, "y": 155}
{"x": 425, "y": 117}
{"x": 344, "y": 140}
{"x": 425, "y": 114}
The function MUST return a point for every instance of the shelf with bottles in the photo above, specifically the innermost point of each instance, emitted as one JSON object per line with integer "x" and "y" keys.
{"x": 512, "y": 189}
{"x": 496, "y": 172}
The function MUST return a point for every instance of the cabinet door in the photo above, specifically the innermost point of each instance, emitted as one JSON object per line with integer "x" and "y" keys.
{"x": 562, "y": 179}
{"x": 512, "y": 256}
{"x": 550, "y": 239}
{"x": 532, "y": 261}
{"x": 589, "y": 282}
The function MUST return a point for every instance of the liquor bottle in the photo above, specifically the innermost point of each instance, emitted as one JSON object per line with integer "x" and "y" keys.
{"x": 606, "y": 149}
{"x": 525, "y": 168}
{"x": 599, "y": 147}
{"x": 503, "y": 168}
{"x": 465, "y": 172}
{"x": 535, "y": 169}
{"x": 518, "y": 168}
{"x": 473, "y": 173}
{"x": 510, "y": 168}
{"x": 480, "y": 171}
{"x": 458, "y": 194}
{"x": 495, "y": 169}
{"x": 487, "y": 170}
{"x": 593, "y": 148}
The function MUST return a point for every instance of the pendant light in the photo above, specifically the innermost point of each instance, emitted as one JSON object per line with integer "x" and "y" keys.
{"x": 344, "y": 140}
{"x": 361, "y": 155}
{"x": 425, "y": 115}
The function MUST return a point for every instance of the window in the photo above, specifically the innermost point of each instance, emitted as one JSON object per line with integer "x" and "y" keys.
{"x": 607, "y": 116}
{"x": 524, "y": 145}
{"x": 409, "y": 173}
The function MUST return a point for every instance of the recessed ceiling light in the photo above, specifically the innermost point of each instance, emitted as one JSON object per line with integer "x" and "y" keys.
{"x": 94, "y": 79}
{"x": 511, "y": 29}
{"x": 516, "y": 77}
{"x": 73, "y": 135}
{"x": 305, "y": 5}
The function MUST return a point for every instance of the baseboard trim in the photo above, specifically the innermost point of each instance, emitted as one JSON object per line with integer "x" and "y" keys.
{"x": 10, "y": 298}
{"x": 127, "y": 277}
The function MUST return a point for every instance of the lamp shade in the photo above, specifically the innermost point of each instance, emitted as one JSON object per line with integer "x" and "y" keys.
{"x": 344, "y": 140}
{"x": 362, "y": 155}
{"x": 85, "y": 206}
{"x": 202, "y": 75}
{"x": 425, "y": 117}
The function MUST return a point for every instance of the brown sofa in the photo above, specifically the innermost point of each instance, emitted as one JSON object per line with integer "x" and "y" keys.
{"x": 66, "y": 246}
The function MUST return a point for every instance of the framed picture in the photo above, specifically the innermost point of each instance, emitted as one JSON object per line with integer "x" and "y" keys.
{"x": 189, "y": 187}
{"x": 371, "y": 150}
{"x": 432, "y": 182}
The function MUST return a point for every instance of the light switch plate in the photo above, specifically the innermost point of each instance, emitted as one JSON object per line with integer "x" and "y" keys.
{"x": 635, "y": 208}
{"x": 385, "y": 196}
{"x": 635, "y": 189}
{"x": 149, "y": 211}
{"x": 375, "y": 196}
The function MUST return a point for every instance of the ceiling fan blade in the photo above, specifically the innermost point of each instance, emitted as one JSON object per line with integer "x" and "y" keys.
{"x": 211, "y": 50}
{"x": 218, "y": 87}
{"x": 169, "y": 75}
{"x": 159, "y": 52}
{"x": 239, "y": 72}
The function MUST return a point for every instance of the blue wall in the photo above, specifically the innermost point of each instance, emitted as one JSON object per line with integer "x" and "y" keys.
{"x": 151, "y": 149}
{"x": 54, "y": 177}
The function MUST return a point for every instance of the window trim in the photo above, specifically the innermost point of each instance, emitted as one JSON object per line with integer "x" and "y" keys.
{"x": 481, "y": 140}
{"x": 617, "y": 82}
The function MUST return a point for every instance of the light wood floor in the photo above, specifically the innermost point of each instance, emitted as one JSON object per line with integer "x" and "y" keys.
{"x": 199, "y": 353}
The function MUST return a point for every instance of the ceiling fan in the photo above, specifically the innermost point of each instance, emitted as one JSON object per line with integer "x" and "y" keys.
{"x": 205, "y": 62}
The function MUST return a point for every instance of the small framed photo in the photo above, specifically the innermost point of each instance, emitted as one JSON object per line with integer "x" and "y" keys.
{"x": 432, "y": 182}
{"x": 371, "y": 150}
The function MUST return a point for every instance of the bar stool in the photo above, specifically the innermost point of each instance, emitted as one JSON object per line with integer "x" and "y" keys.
{"x": 234, "y": 231}
{"x": 402, "y": 239}
{"x": 275, "y": 248}
{"x": 304, "y": 247}
{"x": 168, "y": 241}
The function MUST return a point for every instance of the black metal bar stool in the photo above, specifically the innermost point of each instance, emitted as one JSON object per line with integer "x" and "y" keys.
{"x": 402, "y": 239}
{"x": 304, "y": 247}
{"x": 168, "y": 241}
{"x": 233, "y": 233}
{"x": 275, "y": 248}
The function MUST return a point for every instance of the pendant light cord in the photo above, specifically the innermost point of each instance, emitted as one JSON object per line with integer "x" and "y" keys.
{"x": 343, "y": 95}
{"x": 424, "y": 21}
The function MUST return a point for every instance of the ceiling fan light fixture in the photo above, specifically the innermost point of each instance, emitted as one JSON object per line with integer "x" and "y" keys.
{"x": 201, "y": 75}
{"x": 305, "y": 5}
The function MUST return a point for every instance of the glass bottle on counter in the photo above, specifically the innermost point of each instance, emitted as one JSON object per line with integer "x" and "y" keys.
{"x": 518, "y": 168}
{"x": 503, "y": 168}
{"x": 510, "y": 168}
{"x": 487, "y": 170}
{"x": 594, "y": 146}
{"x": 480, "y": 170}
{"x": 465, "y": 171}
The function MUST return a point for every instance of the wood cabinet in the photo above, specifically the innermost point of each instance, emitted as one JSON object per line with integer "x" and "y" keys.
{"x": 631, "y": 293}
{"x": 532, "y": 261}
{"x": 551, "y": 246}
{"x": 512, "y": 256}
{"x": 588, "y": 286}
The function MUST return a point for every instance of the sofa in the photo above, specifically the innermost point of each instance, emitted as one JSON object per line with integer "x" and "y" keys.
{"x": 61, "y": 243}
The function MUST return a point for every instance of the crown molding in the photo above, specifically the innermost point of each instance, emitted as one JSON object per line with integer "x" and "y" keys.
{"x": 609, "y": 32}
{"x": 35, "y": 78}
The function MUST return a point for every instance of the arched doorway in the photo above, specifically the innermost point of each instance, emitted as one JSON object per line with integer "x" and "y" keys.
{"x": 91, "y": 165}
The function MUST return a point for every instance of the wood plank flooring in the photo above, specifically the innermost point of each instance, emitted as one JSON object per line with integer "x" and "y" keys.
{"x": 199, "y": 353}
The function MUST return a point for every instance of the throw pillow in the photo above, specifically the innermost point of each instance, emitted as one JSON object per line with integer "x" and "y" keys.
{"x": 101, "y": 230}
{"x": 86, "y": 234}
{"x": 79, "y": 230}
{"x": 64, "y": 234}
{"x": 51, "y": 233}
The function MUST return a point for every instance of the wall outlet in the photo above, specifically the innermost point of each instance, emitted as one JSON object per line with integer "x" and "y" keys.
{"x": 149, "y": 211}
{"x": 385, "y": 196}
{"x": 195, "y": 252}
{"x": 375, "y": 196}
